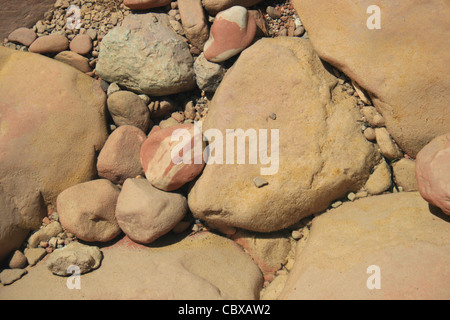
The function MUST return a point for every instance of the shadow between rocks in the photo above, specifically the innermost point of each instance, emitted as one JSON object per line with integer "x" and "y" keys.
{"x": 437, "y": 212}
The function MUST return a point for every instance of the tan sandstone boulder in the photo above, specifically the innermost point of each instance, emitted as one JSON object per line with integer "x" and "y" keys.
{"x": 399, "y": 65}
{"x": 322, "y": 153}
{"x": 396, "y": 233}
{"x": 52, "y": 125}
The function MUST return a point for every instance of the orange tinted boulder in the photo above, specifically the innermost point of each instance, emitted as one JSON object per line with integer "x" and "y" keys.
{"x": 168, "y": 163}
{"x": 233, "y": 30}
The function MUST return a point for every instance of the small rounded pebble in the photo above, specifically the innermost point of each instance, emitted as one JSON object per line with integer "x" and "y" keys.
{"x": 296, "y": 235}
{"x": 351, "y": 196}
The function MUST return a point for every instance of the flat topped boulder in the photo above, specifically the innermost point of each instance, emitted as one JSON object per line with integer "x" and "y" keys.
{"x": 145, "y": 55}
{"x": 307, "y": 146}
{"x": 201, "y": 267}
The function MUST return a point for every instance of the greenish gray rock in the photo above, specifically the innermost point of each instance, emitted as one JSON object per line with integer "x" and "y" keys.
{"x": 145, "y": 55}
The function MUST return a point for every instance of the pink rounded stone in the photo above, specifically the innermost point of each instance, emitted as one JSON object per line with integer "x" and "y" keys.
{"x": 145, "y": 4}
{"x": 233, "y": 30}
{"x": 433, "y": 172}
{"x": 81, "y": 44}
{"x": 168, "y": 164}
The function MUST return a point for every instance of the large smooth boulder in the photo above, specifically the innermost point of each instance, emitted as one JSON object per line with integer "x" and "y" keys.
{"x": 399, "y": 67}
{"x": 200, "y": 267}
{"x": 322, "y": 154}
{"x": 145, "y": 55}
{"x": 396, "y": 233}
{"x": 433, "y": 172}
{"x": 52, "y": 127}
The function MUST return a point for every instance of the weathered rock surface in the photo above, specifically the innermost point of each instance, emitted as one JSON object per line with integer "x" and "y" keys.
{"x": 9, "y": 276}
{"x": 88, "y": 210}
{"x": 208, "y": 75}
{"x": 202, "y": 267}
{"x": 268, "y": 250}
{"x": 17, "y": 261}
{"x": 409, "y": 88}
{"x": 34, "y": 255}
{"x": 380, "y": 180}
{"x": 405, "y": 174}
{"x": 145, "y": 55}
{"x": 49, "y": 138}
{"x": 322, "y": 152}
{"x": 433, "y": 172}
{"x": 396, "y": 232}
{"x": 86, "y": 258}
{"x": 145, "y": 213}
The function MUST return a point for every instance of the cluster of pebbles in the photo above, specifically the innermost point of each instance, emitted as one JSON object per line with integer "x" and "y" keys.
{"x": 97, "y": 17}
